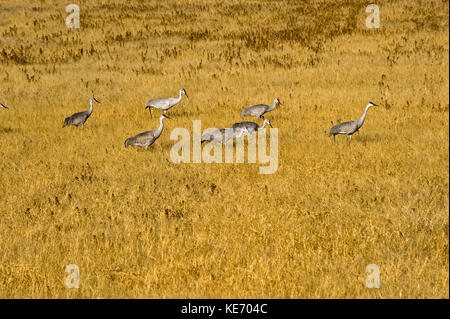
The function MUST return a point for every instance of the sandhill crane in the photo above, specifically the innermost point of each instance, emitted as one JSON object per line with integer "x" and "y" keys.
{"x": 350, "y": 127}
{"x": 78, "y": 119}
{"x": 250, "y": 126}
{"x": 260, "y": 109}
{"x": 146, "y": 139}
{"x": 3, "y": 106}
{"x": 165, "y": 103}
{"x": 223, "y": 135}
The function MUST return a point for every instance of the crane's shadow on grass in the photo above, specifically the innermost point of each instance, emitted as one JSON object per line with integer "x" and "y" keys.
{"x": 139, "y": 149}
{"x": 175, "y": 114}
{"x": 358, "y": 139}
{"x": 6, "y": 130}
{"x": 367, "y": 139}
{"x": 151, "y": 149}
{"x": 183, "y": 113}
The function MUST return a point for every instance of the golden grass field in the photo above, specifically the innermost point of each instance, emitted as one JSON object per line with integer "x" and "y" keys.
{"x": 140, "y": 226}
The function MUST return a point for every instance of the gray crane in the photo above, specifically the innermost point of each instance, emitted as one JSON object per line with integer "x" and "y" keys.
{"x": 350, "y": 127}
{"x": 164, "y": 103}
{"x": 260, "y": 109}
{"x": 223, "y": 135}
{"x": 3, "y": 106}
{"x": 146, "y": 139}
{"x": 78, "y": 119}
{"x": 250, "y": 126}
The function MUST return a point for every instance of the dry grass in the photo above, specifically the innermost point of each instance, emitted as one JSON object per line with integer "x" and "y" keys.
{"x": 140, "y": 226}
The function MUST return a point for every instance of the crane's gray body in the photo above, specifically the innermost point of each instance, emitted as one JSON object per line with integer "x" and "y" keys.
{"x": 145, "y": 139}
{"x": 350, "y": 127}
{"x": 164, "y": 103}
{"x": 3, "y": 106}
{"x": 259, "y": 110}
{"x": 223, "y": 135}
{"x": 251, "y": 127}
{"x": 78, "y": 119}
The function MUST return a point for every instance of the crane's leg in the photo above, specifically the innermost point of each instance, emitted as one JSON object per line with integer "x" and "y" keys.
{"x": 334, "y": 138}
{"x": 350, "y": 140}
{"x": 148, "y": 144}
{"x": 150, "y": 109}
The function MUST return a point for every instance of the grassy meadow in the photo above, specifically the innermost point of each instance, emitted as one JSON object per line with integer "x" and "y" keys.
{"x": 140, "y": 226}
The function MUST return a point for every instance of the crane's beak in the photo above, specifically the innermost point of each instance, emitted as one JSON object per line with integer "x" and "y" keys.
{"x": 186, "y": 94}
{"x": 97, "y": 100}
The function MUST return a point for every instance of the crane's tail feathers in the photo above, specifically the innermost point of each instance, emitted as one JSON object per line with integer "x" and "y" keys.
{"x": 205, "y": 139}
{"x": 66, "y": 122}
{"x": 334, "y": 130}
{"x": 130, "y": 141}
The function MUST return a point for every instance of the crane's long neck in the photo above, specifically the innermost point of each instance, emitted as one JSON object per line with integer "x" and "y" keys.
{"x": 363, "y": 117}
{"x": 92, "y": 107}
{"x": 272, "y": 107}
{"x": 179, "y": 97}
{"x": 263, "y": 126}
{"x": 161, "y": 126}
